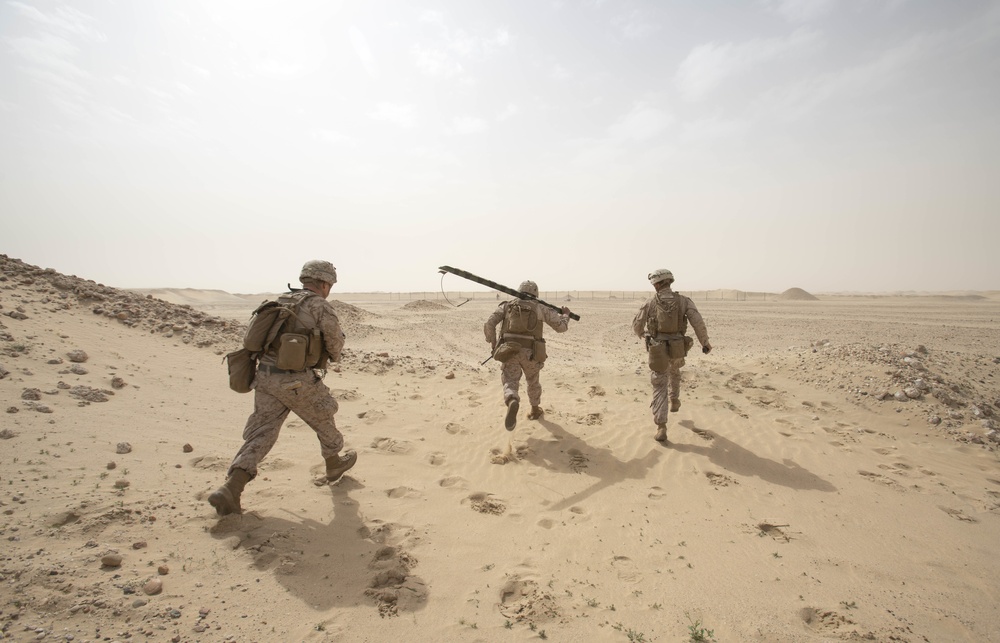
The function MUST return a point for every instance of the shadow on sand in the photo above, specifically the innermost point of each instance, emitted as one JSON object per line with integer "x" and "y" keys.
{"x": 345, "y": 563}
{"x": 570, "y": 454}
{"x": 733, "y": 458}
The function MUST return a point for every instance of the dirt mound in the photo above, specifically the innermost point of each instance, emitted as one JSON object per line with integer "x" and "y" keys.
{"x": 423, "y": 304}
{"x": 797, "y": 294}
{"x": 45, "y": 289}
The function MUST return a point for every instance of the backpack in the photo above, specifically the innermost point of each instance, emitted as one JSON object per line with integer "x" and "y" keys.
{"x": 266, "y": 324}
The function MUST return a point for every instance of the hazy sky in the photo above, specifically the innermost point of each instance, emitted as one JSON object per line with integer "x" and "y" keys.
{"x": 764, "y": 144}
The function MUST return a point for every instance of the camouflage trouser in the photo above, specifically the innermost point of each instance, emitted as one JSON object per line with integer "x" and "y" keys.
{"x": 274, "y": 396}
{"x": 666, "y": 387}
{"x": 510, "y": 375}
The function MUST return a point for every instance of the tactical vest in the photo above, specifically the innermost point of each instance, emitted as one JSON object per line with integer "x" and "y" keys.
{"x": 671, "y": 314}
{"x": 521, "y": 323}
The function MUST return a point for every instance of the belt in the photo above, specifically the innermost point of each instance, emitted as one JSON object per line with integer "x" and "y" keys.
{"x": 524, "y": 340}
{"x": 266, "y": 368}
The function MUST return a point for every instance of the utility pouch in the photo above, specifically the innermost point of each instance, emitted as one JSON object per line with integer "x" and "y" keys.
{"x": 292, "y": 352}
{"x": 676, "y": 348}
{"x": 242, "y": 365}
{"x": 315, "y": 348}
{"x": 688, "y": 343}
{"x": 538, "y": 353}
{"x": 506, "y": 351}
{"x": 658, "y": 356}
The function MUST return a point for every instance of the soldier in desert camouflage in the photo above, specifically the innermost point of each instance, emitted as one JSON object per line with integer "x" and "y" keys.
{"x": 522, "y": 348}
{"x": 278, "y": 391}
{"x": 663, "y": 321}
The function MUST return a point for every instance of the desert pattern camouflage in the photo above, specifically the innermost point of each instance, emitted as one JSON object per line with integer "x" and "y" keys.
{"x": 667, "y": 383}
{"x": 510, "y": 374}
{"x": 275, "y": 395}
{"x": 316, "y": 312}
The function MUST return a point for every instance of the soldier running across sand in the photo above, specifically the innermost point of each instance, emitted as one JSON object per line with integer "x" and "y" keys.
{"x": 521, "y": 348}
{"x": 280, "y": 390}
{"x": 663, "y": 321}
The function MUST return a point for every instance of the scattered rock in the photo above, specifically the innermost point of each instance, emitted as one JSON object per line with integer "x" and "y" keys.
{"x": 139, "y": 544}
{"x": 450, "y": 375}
{"x": 6, "y": 434}
{"x": 3, "y": 372}
{"x": 31, "y": 394}
{"x": 12, "y": 409}
{"x": 111, "y": 560}
{"x": 122, "y": 484}
{"x": 123, "y": 447}
{"x": 187, "y": 448}
{"x": 162, "y": 570}
{"x": 111, "y": 465}
{"x": 117, "y": 383}
{"x": 77, "y": 356}
{"x": 153, "y": 587}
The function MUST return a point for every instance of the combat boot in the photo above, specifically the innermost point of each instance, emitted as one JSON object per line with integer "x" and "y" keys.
{"x": 536, "y": 412}
{"x": 675, "y": 404}
{"x": 510, "y": 421}
{"x": 661, "y": 432}
{"x": 226, "y": 499}
{"x": 338, "y": 465}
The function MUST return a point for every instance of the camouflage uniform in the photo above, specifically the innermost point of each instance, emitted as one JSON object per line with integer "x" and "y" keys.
{"x": 510, "y": 375}
{"x": 667, "y": 383}
{"x": 277, "y": 392}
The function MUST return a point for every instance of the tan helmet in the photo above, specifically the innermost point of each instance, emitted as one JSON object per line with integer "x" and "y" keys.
{"x": 529, "y": 287}
{"x": 660, "y": 275}
{"x": 319, "y": 270}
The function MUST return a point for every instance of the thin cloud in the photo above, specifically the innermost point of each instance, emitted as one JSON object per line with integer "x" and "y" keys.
{"x": 361, "y": 48}
{"x": 635, "y": 26}
{"x": 66, "y": 20}
{"x": 394, "y": 113}
{"x": 468, "y": 125}
{"x": 708, "y": 65}
{"x": 435, "y": 62}
{"x": 800, "y": 11}
{"x": 641, "y": 123}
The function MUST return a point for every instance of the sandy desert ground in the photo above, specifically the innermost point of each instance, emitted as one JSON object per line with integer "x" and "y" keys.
{"x": 833, "y": 475}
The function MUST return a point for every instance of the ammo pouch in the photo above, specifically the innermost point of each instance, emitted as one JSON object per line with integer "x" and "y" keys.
{"x": 292, "y": 352}
{"x": 658, "y": 356}
{"x": 505, "y": 351}
{"x": 538, "y": 353}
{"x": 676, "y": 347}
{"x": 242, "y": 365}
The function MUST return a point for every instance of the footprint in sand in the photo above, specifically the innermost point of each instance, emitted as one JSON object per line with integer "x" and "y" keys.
{"x": 403, "y": 492}
{"x": 576, "y": 509}
{"x": 486, "y": 503}
{"x": 453, "y": 481}
{"x": 577, "y": 461}
{"x": 455, "y": 428}
{"x": 390, "y": 445}
{"x": 546, "y": 523}
{"x": 820, "y": 620}
{"x": 774, "y": 531}
{"x": 958, "y": 514}
{"x": 370, "y": 416}
{"x": 524, "y": 600}
{"x": 656, "y": 493}
{"x": 878, "y": 477}
{"x": 719, "y": 480}
{"x": 436, "y": 458}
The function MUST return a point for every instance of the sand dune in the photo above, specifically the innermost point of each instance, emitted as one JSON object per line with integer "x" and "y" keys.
{"x": 832, "y": 475}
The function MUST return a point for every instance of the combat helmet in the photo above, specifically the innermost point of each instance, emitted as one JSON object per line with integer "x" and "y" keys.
{"x": 659, "y": 275}
{"x": 318, "y": 270}
{"x": 529, "y": 287}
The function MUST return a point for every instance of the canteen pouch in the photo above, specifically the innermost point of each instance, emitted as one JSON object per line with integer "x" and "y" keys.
{"x": 505, "y": 351}
{"x": 292, "y": 352}
{"x": 658, "y": 356}
{"x": 677, "y": 348}
{"x": 538, "y": 353}
{"x": 242, "y": 365}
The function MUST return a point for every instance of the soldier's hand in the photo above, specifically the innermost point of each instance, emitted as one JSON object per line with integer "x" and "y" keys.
{"x": 565, "y": 310}
{"x": 706, "y": 349}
